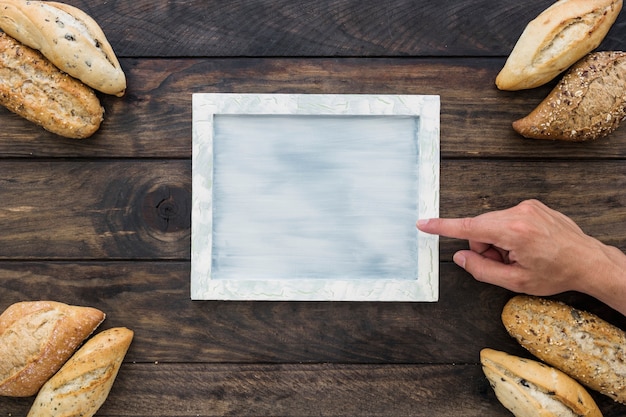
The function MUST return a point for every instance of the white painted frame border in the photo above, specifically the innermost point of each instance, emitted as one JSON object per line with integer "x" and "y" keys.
{"x": 205, "y": 105}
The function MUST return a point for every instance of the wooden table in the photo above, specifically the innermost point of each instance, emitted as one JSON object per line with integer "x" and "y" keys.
{"x": 106, "y": 221}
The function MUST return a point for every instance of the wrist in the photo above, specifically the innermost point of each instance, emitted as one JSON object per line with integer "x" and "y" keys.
{"x": 605, "y": 277}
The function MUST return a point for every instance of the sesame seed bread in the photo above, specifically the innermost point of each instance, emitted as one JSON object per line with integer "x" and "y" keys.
{"x": 69, "y": 38}
{"x": 578, "y": 343}
{"x": 83, "y": 384}
{"x": 33, "y": 88}
{"x": 587, "y": 104}
{"x": 530, "y": 388}
{"x": 557, "y": 38}
{"x": 36, "y": 339}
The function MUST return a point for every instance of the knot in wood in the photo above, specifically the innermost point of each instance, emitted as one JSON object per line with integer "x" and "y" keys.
{"x": 167, "y": 209}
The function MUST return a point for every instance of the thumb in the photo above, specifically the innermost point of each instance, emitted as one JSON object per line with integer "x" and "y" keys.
{"x": 483, "y": 269}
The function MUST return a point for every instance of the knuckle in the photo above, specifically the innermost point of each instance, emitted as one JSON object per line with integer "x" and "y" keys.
{"x": 528, "y": 207}
{"x": 521, "y": 227}
{"x": 531, "y": 203}
{"x": 467, "y": 224}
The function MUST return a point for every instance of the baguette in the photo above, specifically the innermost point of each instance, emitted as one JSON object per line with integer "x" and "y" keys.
{"x": 33, "y": 88}
{"x": 36, "y": 338}
{"x": 69, "y": 38}
{"x": 530, "y": 388}
{"x": 556, "y": 39}
{"x": 587, "y": 104}
{"x": 83, "y": 384}
{"x": 577, "y": 342}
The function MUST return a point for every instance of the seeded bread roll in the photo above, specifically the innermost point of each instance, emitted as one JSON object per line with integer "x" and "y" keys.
{"x": 69, "y": 38}
{"x": 578, "y": 343}
{"x": 37, "y": 90}
{"x": 530, "y": 388}
{"x": 554, "y": 40}
{"x": 36, "y": 338}
{"x": 588, "y": 103}
{"x": 83, "y": 384}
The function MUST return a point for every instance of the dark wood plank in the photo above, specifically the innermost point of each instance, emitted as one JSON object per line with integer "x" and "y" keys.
{"x": 300, "y": 390}
{"x": 96, "y": 209}
{"x": 181, "y": 330}
{"x": 293, "y": 390}
{"x": 141, "y": 209}
{"x": 307, "y": 390}
{"x": 469, "y": 188}
{"x": 154, "y": 118}
{"x": 152, "y": 298}
{"x": 283, "y": 28}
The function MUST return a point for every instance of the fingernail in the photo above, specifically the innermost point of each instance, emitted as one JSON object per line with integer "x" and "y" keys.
{"x": 459, "y": 259}
{"x": 422, "y": 222}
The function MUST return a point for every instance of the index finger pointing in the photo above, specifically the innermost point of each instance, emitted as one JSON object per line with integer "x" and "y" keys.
{"x": 469, "y": 228}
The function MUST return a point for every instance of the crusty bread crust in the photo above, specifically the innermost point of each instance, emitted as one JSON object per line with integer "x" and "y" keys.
{"x": 36, "y": 338}
{"x": 556, "y": 39}
{"x": 38, "y": 91}
{"x": 530, "y": 388}
{"x": 578, "y": 343}
{"x": 587, "y": 104}
{"x": 69, "y": 38}
{"x": 82, "y": 385}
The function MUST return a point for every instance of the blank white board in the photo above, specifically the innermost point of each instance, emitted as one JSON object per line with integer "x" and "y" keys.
{"x": 314, "y": 197}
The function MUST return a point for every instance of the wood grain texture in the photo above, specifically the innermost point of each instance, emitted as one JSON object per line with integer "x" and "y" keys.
{"x": 572, "y": 187}
{"x": 154, "y": 119}
{"x": 181, "y": 330}
{"x": 106, "y": 221}
{"x": 140, "y": 209}
{"x": 152, "y": 298}
{"x": 96, "y": 209}
{"x": 292, "y": 390}
{"x": 316, "y": 28}
{"x": 300, "y": 390}
{"x": 307, "y": 390}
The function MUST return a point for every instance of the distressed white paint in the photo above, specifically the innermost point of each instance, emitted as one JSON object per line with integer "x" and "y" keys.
{"x": 299, "y": 197}
{"x": 314, "y": 197}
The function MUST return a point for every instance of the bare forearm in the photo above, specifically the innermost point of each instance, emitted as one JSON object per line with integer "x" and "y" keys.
{"x": 606, "y": 278}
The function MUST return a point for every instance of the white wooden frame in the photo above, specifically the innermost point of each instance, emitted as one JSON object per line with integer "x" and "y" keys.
{"x": 424, "y": 109}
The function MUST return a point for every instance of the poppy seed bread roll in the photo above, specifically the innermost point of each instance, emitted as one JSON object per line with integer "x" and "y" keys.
{"x": 557, "y": 38}
{"x": 530, "y": 388}
{"x": 578, "y": 343}
{"x": 69, "y": 38}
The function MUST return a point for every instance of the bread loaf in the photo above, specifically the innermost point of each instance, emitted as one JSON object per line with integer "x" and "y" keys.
{"x": 588, "y": 103}
{"x": 556, "y": 39}
{"x": 69, "y": 38}
{"x": 530, "y": 388}
{"x": 36, "y": 338}
{"x": 38, "y": 91}
{"x": 578, "y": 343}
{"x": 83, "y": 384}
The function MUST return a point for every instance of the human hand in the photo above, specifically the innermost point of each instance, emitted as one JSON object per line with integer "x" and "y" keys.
{"x": 532, "y": 249}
